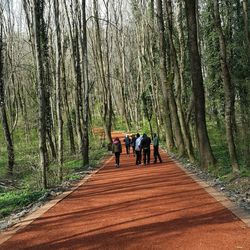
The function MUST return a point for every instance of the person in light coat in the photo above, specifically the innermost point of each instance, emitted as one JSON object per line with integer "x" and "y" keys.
{"x": 138, "y": 149}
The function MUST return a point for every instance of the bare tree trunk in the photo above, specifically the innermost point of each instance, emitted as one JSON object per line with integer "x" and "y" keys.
{"x": 58, "y": 87}
{"x": 49, "y": 135}
{"x": 122, "y": 72}
{"x": 108, "y": 120}
{"x": 205, "y": 151}
{"x": 78, "y": 75}
{"x": 164, "y": 77}
{"x": 103, "y": 68}
{"x": 246, "y": 25}
{"x": 85, "y": 150}
{"x": 4, "y": 120}
{"x": 26, "y": 119}
{"x": 38, "y": 10}
{"x": 48, "y": 80}
{"x": 74, "y": 43}
{"x": 152, "y": 66}
{"x": 184, "y": 128}
{"x": 245, "y": 89}
{"x": 228, "y": 91}
{"x": 67, "y": 109}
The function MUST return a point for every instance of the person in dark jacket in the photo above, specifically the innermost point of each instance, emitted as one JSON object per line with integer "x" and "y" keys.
{"x": 156, "y": 148}
{"x": 127, "y": 144}
{"x": 145, "y": 145}
{"x": 133, "y": 139}
{"x": 117, "y": 150}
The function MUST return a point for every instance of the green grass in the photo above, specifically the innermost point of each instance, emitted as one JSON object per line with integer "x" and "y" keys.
{"x": 26, "y": 186}
{"x": 120, "y": 124}
{"x": 3, "y": 160}
{"x": 74, "y": 164}
{"x": 245, "y": 172}
{"x": 223, "y": 168}
{"x": 12, "y": 201}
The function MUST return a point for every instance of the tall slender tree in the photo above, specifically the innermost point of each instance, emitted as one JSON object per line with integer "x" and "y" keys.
{"x": 58, "y": 86}
{"x": 3, "y": 114}
{"x": 103, "y": 69}
{"x": 205, "y": 151}
{"x": 38, "y": 15}
{"x": 228, "y": 90}
{"x": 177, "y": 75}
{"x": 245, "y": 97}
{"x": 86, "y": 87}
{"x": 164, "y": 77}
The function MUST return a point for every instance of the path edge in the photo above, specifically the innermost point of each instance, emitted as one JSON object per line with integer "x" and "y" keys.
{"x": 219, "y": 196}
{"x": 29, "y": 218}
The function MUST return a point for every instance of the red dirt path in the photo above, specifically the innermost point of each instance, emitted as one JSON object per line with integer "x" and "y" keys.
{"x": 148, "y": 207}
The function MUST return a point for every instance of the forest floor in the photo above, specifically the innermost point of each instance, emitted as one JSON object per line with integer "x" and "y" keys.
{"x": 157, "y": 206}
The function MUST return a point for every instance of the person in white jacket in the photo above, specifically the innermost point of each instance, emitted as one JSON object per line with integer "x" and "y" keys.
{"x": 138, "y": 149}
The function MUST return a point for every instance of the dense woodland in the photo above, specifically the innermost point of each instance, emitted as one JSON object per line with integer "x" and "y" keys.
{"x": 180, "y": 68}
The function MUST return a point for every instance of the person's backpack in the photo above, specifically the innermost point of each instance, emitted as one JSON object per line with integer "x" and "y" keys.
{"x": 127, "y": 140}
{"x": 145, "y": 144}
{"x": 133, "y": 142}
{"x": 156, "y": 141}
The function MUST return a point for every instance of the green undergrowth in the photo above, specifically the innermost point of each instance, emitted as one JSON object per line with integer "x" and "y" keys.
{"x": 14, "y": 200}
{"x": 119, "y": 124}
{"x": 222, "y": 169}
{"x": 74, "y": 166}
{"x": 24, "y": 187}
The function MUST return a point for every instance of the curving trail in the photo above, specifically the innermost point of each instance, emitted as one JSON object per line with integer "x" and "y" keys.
{"x": 148, "y": 207}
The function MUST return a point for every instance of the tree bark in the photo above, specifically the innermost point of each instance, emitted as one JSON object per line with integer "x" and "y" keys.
{"x": 205, "y": 151}
{"x": 4, "y": 120}
{"x": 38, "y": 10}
{"x": 58, "y": 88}
{"x": 85, "y": 150}
{"x": 164, "y": 77}
{"x": 67, "y": 108}
{"x": 228, "y": 90}
{"x": 109, "y": 110}
{"x": 121, "y": 73}
{"x": 246, "y": 26}
{"x": 75, "y": 56}
{"x": 245, "y": 89}
{"x": 184, "y": 129}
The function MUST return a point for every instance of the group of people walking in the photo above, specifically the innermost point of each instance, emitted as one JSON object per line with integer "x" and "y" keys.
{"x": 141, "y": 148}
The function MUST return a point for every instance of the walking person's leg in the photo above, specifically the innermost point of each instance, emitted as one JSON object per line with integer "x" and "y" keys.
{"x": 136, "y": 157}
{"x": 155, "y": 154}
{"x": 140, "y": 156}
{"x": 144, "y": 156}
{"x": 118, "y": 159}
{"x": 148, "y": 153}
{"x": 158, "y": 154}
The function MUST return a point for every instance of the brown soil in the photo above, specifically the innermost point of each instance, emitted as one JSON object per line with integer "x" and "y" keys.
{"x": 157, "y": 206}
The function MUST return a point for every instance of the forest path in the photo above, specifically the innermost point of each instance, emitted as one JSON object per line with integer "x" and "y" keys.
{"x": 157, "y": 206}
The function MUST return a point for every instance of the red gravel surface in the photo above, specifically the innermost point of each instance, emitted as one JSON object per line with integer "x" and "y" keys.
{"x": 147, "y": 207}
